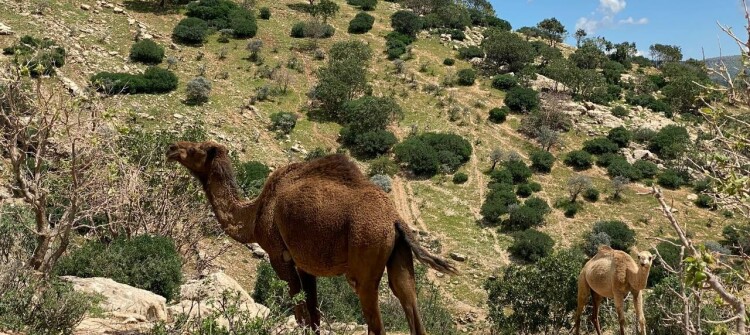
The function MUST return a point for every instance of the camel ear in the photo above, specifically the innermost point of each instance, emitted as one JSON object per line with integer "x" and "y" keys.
{"x": 634, "y": 250}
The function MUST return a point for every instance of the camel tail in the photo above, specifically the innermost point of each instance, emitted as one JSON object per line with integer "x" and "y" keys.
{"x": 421, "y": 253}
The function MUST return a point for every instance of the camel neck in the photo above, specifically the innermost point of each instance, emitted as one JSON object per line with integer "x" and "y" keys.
{"x": 236, "y": 216}
{"x": 639, "y": 277}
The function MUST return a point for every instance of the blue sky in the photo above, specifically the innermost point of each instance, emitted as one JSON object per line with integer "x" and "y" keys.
{"x": 691, "y": 24}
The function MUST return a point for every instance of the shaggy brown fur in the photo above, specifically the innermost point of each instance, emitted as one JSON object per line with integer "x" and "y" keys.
{"x": 317, "y": 219}
{"x": 613, "y": 274}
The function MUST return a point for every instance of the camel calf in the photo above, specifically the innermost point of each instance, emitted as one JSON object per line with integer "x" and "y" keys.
{"x": 613, "y": 274}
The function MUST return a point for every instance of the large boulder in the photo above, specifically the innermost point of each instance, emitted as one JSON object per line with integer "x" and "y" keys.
{"x": 122, "y": 300}
{"x": 201, "y": 297}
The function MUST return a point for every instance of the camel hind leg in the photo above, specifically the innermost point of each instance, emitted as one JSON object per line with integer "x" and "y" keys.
{"x": 584, "y": 291}
{"x": 597, "y": 299}
{"x": 401, "y": 281}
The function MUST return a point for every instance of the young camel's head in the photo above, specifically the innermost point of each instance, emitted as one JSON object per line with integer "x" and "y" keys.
{"x": 645, "y": 259}
{"x": 197, "y": 157}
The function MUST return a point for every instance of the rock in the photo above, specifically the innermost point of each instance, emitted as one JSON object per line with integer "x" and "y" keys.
{"x": 589, "y": 105}
{"x": 108, "y": 5}
{"x": 177, "y": 116}
{"x": 257, "y": 250}
{"x": 5, "y": 30}
{"x": 85, "y": 7}
{"x": 199, "y": 297}
{"x": 644, "y": 154}
{"x": 72, "y": 87}
{"x": 458, "y": 257}
{"x": 476, "y": 61}
{"x": 542, "y": 83}
{"x": 120, "y": 298}
{"x": 692, "y": 197}
{"x": 118, "y": 10}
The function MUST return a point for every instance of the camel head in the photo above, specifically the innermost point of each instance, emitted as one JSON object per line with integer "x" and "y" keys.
{"x": 197, "y": 157}
{"x": 645, "y": 259}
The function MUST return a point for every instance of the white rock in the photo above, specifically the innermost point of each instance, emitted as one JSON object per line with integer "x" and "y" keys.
{"x": 458, "y": 257}
{"x": 644, "y": 154}
{"x": 5, "y": 30}
{"x": 121, "y": 298}
{"x": 692, "y": 197}
{"x": 85, "y": 7}
{"x": 118, "y": 10}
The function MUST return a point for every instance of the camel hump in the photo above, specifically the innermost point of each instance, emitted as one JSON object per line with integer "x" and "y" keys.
{"x": 604, "y": 251}
{"x": 334, "y": 167}
{"x": 405, "y": 235}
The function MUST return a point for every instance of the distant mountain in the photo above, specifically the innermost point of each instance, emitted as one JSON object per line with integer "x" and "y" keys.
{"x": 733, "y": 63}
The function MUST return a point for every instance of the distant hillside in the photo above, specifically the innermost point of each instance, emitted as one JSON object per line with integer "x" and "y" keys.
{"x": 733, "y": 63}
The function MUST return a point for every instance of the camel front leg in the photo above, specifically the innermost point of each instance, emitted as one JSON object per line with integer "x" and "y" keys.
{"x": 288, "y": 273}
{"x": 310, "y": 287}
{"x": 595, "y": 313}
{"x": 638, "y": 304}
{"x": 619, "y": 304}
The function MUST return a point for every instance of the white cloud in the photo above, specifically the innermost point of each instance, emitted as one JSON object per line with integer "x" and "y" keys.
{"x": 604, "y": 17}
{"x": 612, "y": 6}
{"x": 631, "y": 20}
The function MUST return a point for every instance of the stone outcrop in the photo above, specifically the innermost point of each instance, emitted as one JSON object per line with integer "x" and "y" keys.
{"x": 122, "y": 299}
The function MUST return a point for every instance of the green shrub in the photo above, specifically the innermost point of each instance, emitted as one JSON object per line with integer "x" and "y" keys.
{"x": 535, "y": 187}
{"x": 646, "y": 169}
{"x": 449, "y": 62}
{"x": 531, "y": 245}
{"x": 215, "y": 13}
{"x": 466, "y": 77}
{"x": 497, "y": 202}
{"x": 39, "y": 56}
{"x": 620, "y": 136}
{"x": 283, "y": 122}
{"x": 705, "y": 201}
{"x": 198, "y": 90}
{"x": 242, "y": 22}
{"x": 593, "y": 241}
{"x": 670, "y": 254}
{"x": 470, "y": 52}
{"x": 542, "y": 295}
{"x": 251, "y": 176}
{"x": 406, "y": 22}
{"x": 599, "y": 146}
{"x": 620, "y": 111}
{"x": 147, "y": 51}
{"x": 538, "y": 204}
{"x": 571, "y": 210}
{"x": 622, "y": 237}
{"x": 643, "y": 135}
{"x": 579, "y": 160}
{"x": 460, "y": 178}
{"x": 382, "y": 165}
{"x": 519, "y": 170}
{"x": 361, "y": 23}
{"x": 591, "y": 194}
{"x": 147, "y": 262}
{"x": 374, "y": 143}
{"x": 670, "y": 179}
{"x": 523, "y": 217}
{"x": 605, "y": 160}
{"x": 312, "y": 29}
{"x": 30, "y": 304}
{"x": 153, "y": 80}
{"x": 265, "y": 13}
{"x": 367, "y": 5}
{"x": 670, "y": 142}
{"x": 522, "y": 99}
{"x": 298, "y": 30}
{"x": 702, "y": 185}
{"x": 504, "y": 82}
{"x": 190, "y": 30}
{"x": 524, "y": 190}
{"x": 622, "y": 168}
{"x": 421, "y": 159}
{"x": 542, "y": 161}
{"x": 498, "y": 115}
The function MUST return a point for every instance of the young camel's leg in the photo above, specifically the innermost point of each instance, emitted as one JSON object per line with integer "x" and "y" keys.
{"x": 288, "y": 273}
{"x": 401, "y": 281}
{"x": 597, "y": 299}
{"x": 638, "y": 304}
{"x": 583, "y": 298}
{"x": 619, "y": 304}
{"x": 310, "y": 287}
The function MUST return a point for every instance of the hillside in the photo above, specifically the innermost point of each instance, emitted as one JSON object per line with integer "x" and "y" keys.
{"x": 98, "y": 35}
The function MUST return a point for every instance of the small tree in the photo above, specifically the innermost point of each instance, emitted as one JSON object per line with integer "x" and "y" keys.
{"x": 620, "y": 136}
{"x": 531, "y": 245}
{"x": 579, "y": 160}
{"x": 466, "y": 77}
{"x": 619, "y": 185}
{"x": 542, "y": 161}
{"x": 553, "y": 30}
{"x": 198, "y": 90}
{"x": 548, "y": 138}
{"x": 190, "y": 30}
{"x": 522, "y": 99}
{"x": 283, "y": 122}
{"x": 325, "y": 9}
{"x": 496, "y": 156}
{"x": 578, "y": 184}
{"x": 406, "y": 22}
{"x": 254, "y": 47}
{"x": 580, "y": 35}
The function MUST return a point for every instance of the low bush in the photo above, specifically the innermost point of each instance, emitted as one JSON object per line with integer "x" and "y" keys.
{"x": 361, "y": 23}
{"x": 198, "y": 90}
{"x": 153, "y": 80}
{"x": 524, "y": 190}
{"x": 542, "y": 161}
{"x": 460, "y": 178}
{"x": 312, "y": 29}
{"x": 531, "y": 245}
{"x": 599, "y": 146}
{"x": 382, "y": 181}
{"x": 251, "y": 176}
{"x": 367, "y": 5}
{"x": 148, "y": 262}
{"x": 449, "y": 61}
{"x": 521, "y": 99}
{"x": 670, "y": 142}
{"x": 406, "y": 22}
{"x": 382, "y": 165}
{"x": 607, "y": 159}
{"x": 538, "y": 204}
{"x": 670, "y": 179}
{"x": 703, "y": 185}
{"x": 591, "y": 194}
{"x": 498, "y": 115}
{"x": 579, "y": 160}
{"x": 466, "y": 77}
{"x": 283, "y": 122}
{"x": 621, "y": 168}
{"x": 147, "y": 51}
{"x": 620, "y": 111}
{"x": 646, "y": 169}
{"x": 643, "y": 135}
{"x": 705, "y": 201}
{"x": 504, "y": 82}
{"x": 373, "y": 143}
{"x": 190, "y": 30}
{"x": 428, "y": 152}
{"x": 535, "y": 187}
{"x": 498, "y": 202}
{"x": 621, "y": 236}
{"x": 518, "y": 169}
{"x": 265, "y": 13}
{"x": 593, "y": 241}
{"x": 523, "y": 217}
{"x": 242, "y": 22}
{"x": 39, "y": 56}
{"x": 620, "y": 136}
{"x": 737, "y": 237}
{"x": 467, "y": 53}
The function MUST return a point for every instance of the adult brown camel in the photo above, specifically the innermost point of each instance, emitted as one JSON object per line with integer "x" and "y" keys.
{"x": 317, "y": 219}
{"x": 613, "y": 274}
